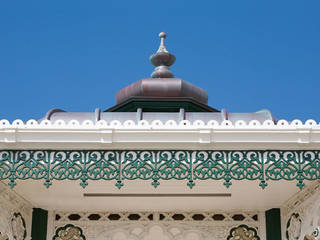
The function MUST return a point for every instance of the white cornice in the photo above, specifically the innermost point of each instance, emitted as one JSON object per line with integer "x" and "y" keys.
{"x": 226, "y": 135}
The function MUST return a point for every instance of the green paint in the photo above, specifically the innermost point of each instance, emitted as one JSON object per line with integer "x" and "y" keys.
{"x": 39, "y": 224}
{"x": 273, "y": 224}
{"x": 157, "y": 165}
{"x": 148, "y": 105}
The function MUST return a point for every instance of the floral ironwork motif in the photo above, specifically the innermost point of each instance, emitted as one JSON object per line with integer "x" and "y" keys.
{"x": 18, "y": 224}
{"x": 294, "y": 223}
{"x": 157, "y": 165}
{"x": 243, "y": 232}
{"x": 69, "y": 232}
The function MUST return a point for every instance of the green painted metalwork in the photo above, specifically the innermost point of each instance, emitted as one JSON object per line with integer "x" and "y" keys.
{"x": 149, "y": 105}
{"x": 157, "y": 165}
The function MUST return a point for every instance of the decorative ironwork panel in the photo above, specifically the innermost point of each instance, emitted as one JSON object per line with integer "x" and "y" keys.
{"x": 18, "y": 224}
{"x": 174, "y": 225}
{"x": 15, "y": 215}
{"x": 301, "y": 214}
{"x": 293, "y": 228}
{"x": 157, "y": 165}
{"x": 69, "y": 232}
{"x": 243, "y": 232}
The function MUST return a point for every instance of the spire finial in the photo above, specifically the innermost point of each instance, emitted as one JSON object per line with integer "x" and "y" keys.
{"x": 162, "y": 59}
{"x": 162, "y": 47}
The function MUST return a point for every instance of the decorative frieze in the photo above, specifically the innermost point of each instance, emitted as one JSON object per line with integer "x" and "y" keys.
{"x": 164, "y": 225}
{"x": 214, "y": 216}
{"x": 157, "y": 165}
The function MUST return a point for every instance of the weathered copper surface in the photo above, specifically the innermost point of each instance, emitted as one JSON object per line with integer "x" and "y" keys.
{"x": 162, "y": 87}
{"x": 260, "y": 116}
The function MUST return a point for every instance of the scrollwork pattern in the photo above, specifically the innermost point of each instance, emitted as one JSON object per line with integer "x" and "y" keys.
{"x": 243, "y": 232}
{"x": 157, "y": 165}
{"x": 18, "y": 227}
{"x": 5, "y": 164}
{"x": 69, "y": 232}
{"x": 293, "y": 228}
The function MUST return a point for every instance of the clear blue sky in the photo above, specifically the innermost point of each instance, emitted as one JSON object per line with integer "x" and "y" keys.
{"x": 75, "y": 55}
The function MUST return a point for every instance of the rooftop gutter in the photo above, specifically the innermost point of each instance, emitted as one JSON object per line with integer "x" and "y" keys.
{"x": 170, "y": 135}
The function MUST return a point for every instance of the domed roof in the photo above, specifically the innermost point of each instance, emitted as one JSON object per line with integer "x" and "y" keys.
{"x": 162, "y": 88}
{"x": 161, "y": 97}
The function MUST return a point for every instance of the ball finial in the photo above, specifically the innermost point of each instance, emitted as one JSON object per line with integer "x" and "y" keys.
{"x": 162, "y": 35}
{"x": 162, "y": 59}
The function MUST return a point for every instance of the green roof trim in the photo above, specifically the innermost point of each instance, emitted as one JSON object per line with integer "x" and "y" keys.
{"x": 161, "y": 105}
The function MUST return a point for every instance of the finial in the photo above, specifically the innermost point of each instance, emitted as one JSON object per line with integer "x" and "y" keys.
{"x": 162, "y": 47}
{"x": 162, "y": 35}
{"x": 162, "y": 59}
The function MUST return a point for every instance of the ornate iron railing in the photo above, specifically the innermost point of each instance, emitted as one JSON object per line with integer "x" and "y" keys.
{"x": 157, "y": 165}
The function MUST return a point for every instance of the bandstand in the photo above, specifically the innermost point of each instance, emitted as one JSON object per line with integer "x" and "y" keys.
{"x": 160, "y": 164}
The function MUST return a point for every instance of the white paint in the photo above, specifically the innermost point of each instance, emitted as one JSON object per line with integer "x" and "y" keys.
{"x": 102, "y": 135}
{"x": 11, "y": 203}
{"x": 166, "y": 229}
{"x": 68, "y": 195}
{"x": 307, "y": 204}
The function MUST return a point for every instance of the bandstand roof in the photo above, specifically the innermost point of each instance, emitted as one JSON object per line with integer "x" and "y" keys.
{"x": 163, "y": 126}
{"x": 161, "y": 97}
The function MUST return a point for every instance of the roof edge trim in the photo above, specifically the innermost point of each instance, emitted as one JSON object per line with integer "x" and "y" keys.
{"x": 32, "y": 123}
